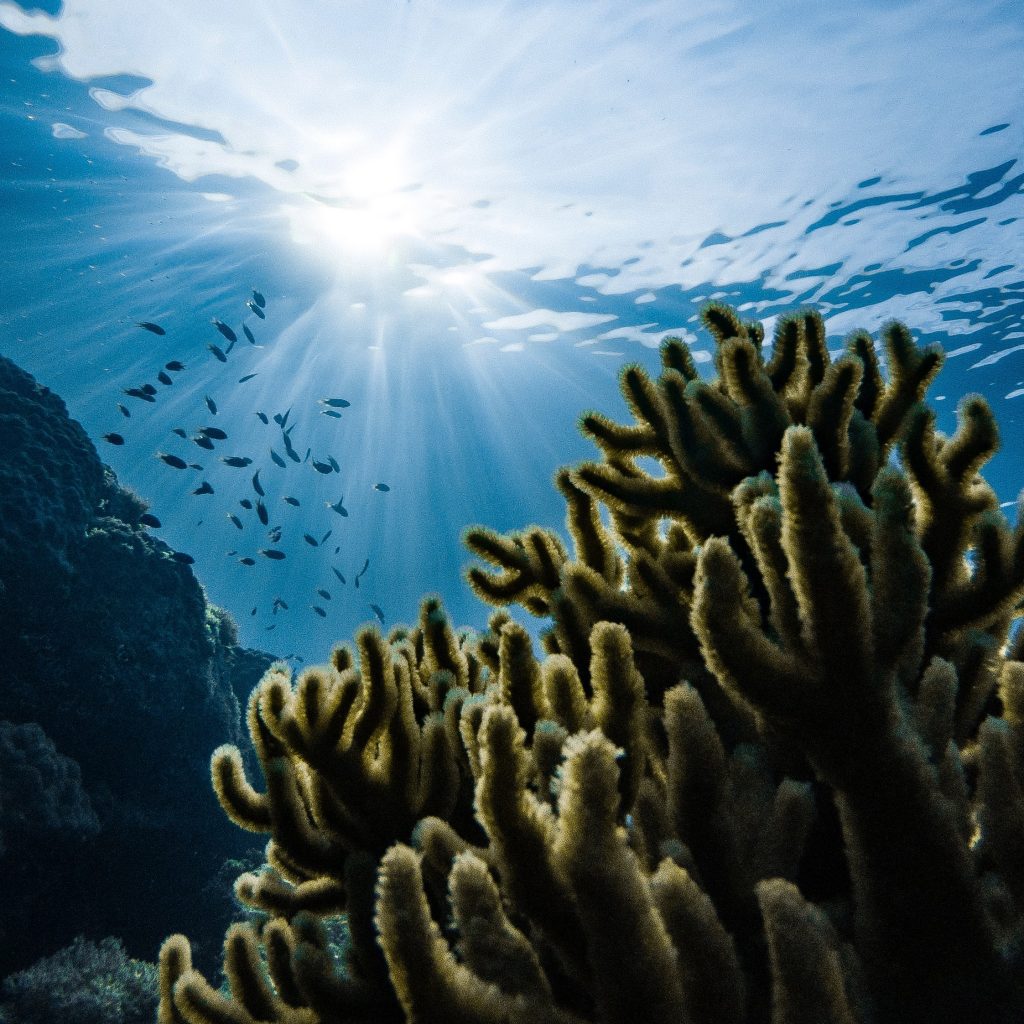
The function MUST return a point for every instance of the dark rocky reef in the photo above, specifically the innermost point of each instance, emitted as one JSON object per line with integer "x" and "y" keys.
{"x": 119, "y": 678}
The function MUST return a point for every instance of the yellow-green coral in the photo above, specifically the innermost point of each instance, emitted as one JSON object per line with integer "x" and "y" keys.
{"x": 766, "y": 767}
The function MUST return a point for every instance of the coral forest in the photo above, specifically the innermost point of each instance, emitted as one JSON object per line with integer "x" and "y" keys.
{"x": 766, "y": 766}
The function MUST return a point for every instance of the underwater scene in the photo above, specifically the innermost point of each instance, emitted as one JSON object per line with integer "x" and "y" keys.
{"x": 510, "y": 511}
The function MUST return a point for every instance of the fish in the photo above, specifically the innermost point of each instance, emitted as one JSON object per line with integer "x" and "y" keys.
{"x": 238, "y": 461}
{"x": 323, "y": 539}
{"x": 203, "y": 441}
{"x": 218, "y": 352}
{"x": 148, "y": 389}
{"x": 267, "y": 629}
{"x": 224, "y": 329}
{"x": 139, "y": 393}
{"x": 325, "y": 594}
{"x": 335, "y": 403}
{"x": 263, "y": 417}
{"x": 306, "y": 457}
{"x": 248, "y": 335}
{"x": 331, "y": 412}
{"x": 235, "y": 520}
{"x": 151, "y": 327}
{"x": 257, "y": 297}
{"x": 164, "y": 378}
{"x": 282, "y": 418}
{"x": 180, "y": 556}
{"x": 376, "y": 611}
{"x": 253, "y": 612}
{"x": 256, "y": 309}
{"x": 261, "y": 511}
{"x": 381, "y": 487}
{"x": 366, "y": 565}
{"x": 172, "y": 460}
{"x": 248, "y": 376}
{"x": 227, "y": 351}
{"x": 309, "y": 539}
{"x": 334, "y": 463}
{"x": 125, "y": 411}
{"x": 228, "y": 554}
{"x": 319, "y": 611}
{"x": 245, "y": 503}
{"x": 338, "y": 574}
{"x": 291, "y": 500}
{"x": 247, "y": 561}
{"x": 322, "y": 467}
{"x": 180, "y": 431}
{"x": 272, "y": 553}
{"x": 291, "y": 452}
{"x": 280, "y": 602}
{"x": 148, "y": 519}
{"x": 204, "y": 488}
{"x": 174, "y": 366}
{"x": 215, "y": 432}
{"x": 275, "y": 535}
{"x": 211, "y": 405}
{"x": 113, "y": 438}
{"x": 278, "y": 461}
{"x": 337, "y": 550}
{"x": 195, "y": 465}
{"x": 257, "y": 486}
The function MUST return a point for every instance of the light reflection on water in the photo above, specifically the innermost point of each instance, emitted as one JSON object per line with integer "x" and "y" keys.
{"x": 465, "y": 217}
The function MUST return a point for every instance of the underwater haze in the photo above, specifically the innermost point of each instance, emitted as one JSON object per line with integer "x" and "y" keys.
{"x": 421, "y": 238}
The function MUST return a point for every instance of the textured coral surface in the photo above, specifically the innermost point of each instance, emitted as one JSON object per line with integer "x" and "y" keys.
{"x": 765, "y": 767}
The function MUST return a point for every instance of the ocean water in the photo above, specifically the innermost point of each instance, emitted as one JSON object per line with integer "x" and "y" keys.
{"x": 464, "y": 218}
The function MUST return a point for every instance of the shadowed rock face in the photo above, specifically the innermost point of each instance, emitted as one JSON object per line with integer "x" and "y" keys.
{"x": 110, "y": 647}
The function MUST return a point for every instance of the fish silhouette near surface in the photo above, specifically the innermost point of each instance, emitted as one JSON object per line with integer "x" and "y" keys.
{"x": 218, "y": 352}
{"x": 248, "y": 335}
{"x": 172, "y": 460}
{"x": 125, "y": 411}
{"x": 338, "y": 506}
{"x": 151, "y": 327}
{"x": 224, "y": 329}
{"x": 204, "y": 442}
{"x": 113, "y": 438}
{"x": 258, "y": 298}
{"x": 278, "y": 461}
{"x": 377, "y": 611}
{"x": 261, "y": 511}
{"x": 165, "y": 378}
{"x": 139, "y": 393}
{"x": 234, "y": 519}
{"x": 257, "y": 486}
{"x": 204, "y": 488}
{"x": 256, "y": 309}
{"x": 215, "y": 432}
{"x": 174, "y": 366}
{"x": 291, "y": 500}
{"x": 319, "y": 611}
{"x": 237, "y": 461}
{"x": 148, "y": 519}
{"x": 248, "y": 376}
{"x": 335, "y": 403}
{"x": 263, "y": 417}
{"x": 272, "y": 553}
{"x": 211, "y": 405}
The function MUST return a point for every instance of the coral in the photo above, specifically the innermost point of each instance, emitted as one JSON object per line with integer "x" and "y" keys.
{"x": 767, "y": 766}
{"x": 85, "y": 983}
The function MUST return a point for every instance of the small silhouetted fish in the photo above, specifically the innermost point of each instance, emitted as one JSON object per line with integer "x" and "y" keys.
{"x": 154, "y": 328}
{"x": 248, "y": 376}
{"x": 204, "y": 442}
{"x": 272, "y": 553}
{"x": 180, "y": 556}
{"x": 247, "y": 561}
{"x": 274, "y": 535}
{"x": 277, "y": 458}
{"x": 231, "y": 345}
{"x": 267, "y": 629}
{"x": 291, "y": 452}
{"x": 291, "y": 500}
{"x": 228, "y": 554}
{"x": 204, "y": 488}
{"x": 125, "y": 411}
{"x": 235, "y": 520}
{"x": 215, "y": 432}
{"x": 211, "y": 405}
{"x": 217, "y": 352}
{"x": 319, "y": 611}
{"x": 334, "y": 463}
{"x": 113, "y": 438}
{"x": 174, "y": 366}
{"x": 261, "y": 511}
{"x": 280, "y": 602}
{"x": 139, "y": 393}
{"x": 337, "y": 550}
{"x": 148, "y": 519}
{"x": 310, "y": 540}
{"x": 248, "y": 335}
{"x": 376, "y": 611}
{"x": 331, "y": 412}
{"x": 263, "y": 417}
{"x": 172, "y": 460}
{"x": 238, "y": 461}
{"x": 224, "y": 329}
{"x": 335, "y": 403}
{"x": 194, "y": 465}
{"x": 164, "y": 378}
{"x": 306, "y": 458}
{"x": 381, "y": 487}
{"x": 322, "y": 467}
{"x": 325, "y": 594}
{"x": 257, "y": 486}
{"x": 281, "y": 418}
{"x": 180, "y": 431}
{"x": 149, "y": 389}
{"x": 338, "y": 574}
{"x": 366, "y": 565}
{"x": 256, "y": 309}
{"x": 257, "y": 297}
{"x": 245, "y": 503}
{"x": 253, "y": 612}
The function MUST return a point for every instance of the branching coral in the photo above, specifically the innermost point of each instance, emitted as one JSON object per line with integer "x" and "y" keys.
{"x": 767, "y": 768}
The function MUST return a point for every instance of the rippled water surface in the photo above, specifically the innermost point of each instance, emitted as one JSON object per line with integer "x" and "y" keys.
{"x": 464, "y": 217}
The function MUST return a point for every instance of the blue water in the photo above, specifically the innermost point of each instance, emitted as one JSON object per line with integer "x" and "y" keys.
{"x": 465, "y": 218}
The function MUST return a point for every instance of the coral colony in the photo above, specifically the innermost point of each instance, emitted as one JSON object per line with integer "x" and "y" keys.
{"x": 767, "y": 767}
